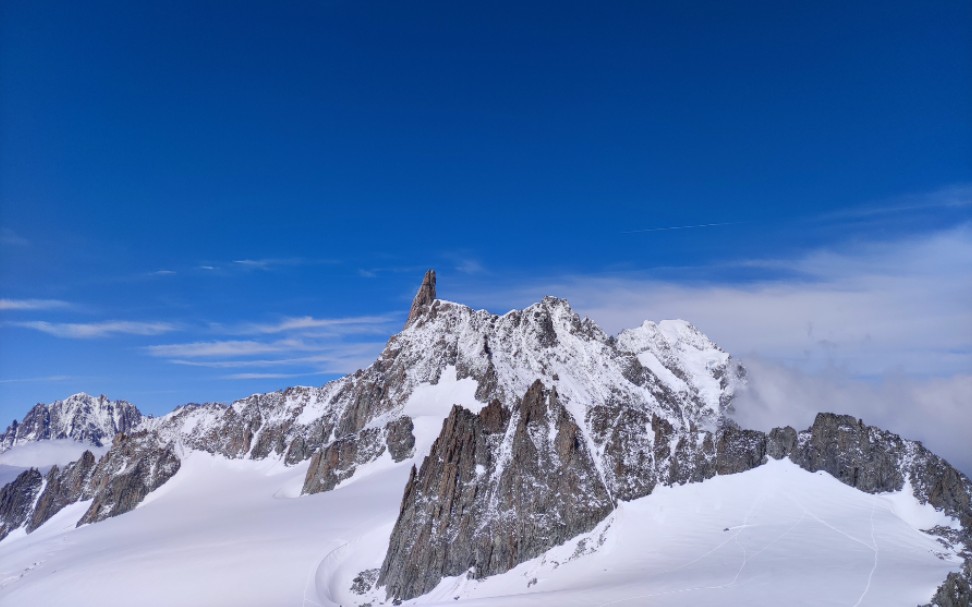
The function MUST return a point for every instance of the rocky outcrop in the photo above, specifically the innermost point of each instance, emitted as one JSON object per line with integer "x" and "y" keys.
{"x": 94, "y": 420}
{"x": 956, "y": 590}
{"x": 463, "y": 487}
{"x": 136, "y": 465}
{"x": 63, "y": 487}
{"x": 498, "y": 488}
{"x": 861, "y": 456}
{"x": 423, "y": 298}
{"x": 17, "y": 499}
{"x": 339, "y": 459}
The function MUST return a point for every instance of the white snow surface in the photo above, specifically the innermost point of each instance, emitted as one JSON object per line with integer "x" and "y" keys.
{"x": 237, "y": 532}
{"x": 233, "y": 532}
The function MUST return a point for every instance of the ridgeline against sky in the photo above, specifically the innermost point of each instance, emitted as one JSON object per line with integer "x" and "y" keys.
{"x": 199, "y": 200}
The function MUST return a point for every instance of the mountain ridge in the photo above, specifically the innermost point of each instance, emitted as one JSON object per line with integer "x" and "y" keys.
{"x": 618, "y": 414}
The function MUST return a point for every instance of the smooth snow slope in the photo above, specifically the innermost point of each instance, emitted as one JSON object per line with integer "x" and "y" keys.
{"x": 776, "y": 535}
{"x": 235, "y": 532}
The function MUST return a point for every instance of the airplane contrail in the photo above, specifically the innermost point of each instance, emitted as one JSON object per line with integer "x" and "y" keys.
{"x": 700, "y": 225}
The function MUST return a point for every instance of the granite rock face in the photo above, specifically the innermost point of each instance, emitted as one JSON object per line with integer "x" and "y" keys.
{"x": 498, "y": 488}
{"x": 64, "y": 487}
{"x": 339, "y": 459}
{"x": 136, "y": 465}
{"x": 17, "y": 499}
{"x": 423, "y": 299}
{"x": 458, "y": 493}
{"x": 863, "y": 457}
{"x": 956, "y": 590}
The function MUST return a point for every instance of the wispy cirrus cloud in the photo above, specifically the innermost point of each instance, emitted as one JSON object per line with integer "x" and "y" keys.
{"x": 957, "y": 196}
{"x": 94, "y": 330}
{"x": 688, "y": 227}
{"x": 12, "y": 239}
{"x": 33, "y": 304}
{"x": 292, "y": 346}
{"x": 344, "y": 325}
{"x": 46, "y": 378}
{"x": 245, "y": 376}
{"x": 217, "y": 349}
{"x": 270, "y": 263}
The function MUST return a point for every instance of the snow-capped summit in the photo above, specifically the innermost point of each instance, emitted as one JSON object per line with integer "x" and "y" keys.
{"x": 512, "y": 434}
{"x": 81, "y": 417}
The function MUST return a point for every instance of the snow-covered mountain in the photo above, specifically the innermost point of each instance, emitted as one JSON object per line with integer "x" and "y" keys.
{"x": 84, "y": 418}
{"x": 511, "y": 436}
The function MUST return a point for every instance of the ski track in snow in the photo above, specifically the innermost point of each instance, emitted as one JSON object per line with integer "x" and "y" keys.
{"x": 870, "y": 576}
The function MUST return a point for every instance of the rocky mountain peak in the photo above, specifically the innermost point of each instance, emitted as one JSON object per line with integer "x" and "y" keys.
{"x": 424, "y": 297}
{"x": 81, "y": 417}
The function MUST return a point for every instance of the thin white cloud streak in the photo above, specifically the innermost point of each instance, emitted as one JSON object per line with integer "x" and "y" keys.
{"x": 97, "y": 329}
{"x": 245, "y": 376}
{"x": 11, "y": 239}
{"x": 689, "y": 227}
{"x": 270, "y": 263}
{"x": 216, "y": 349}
{"x": 951, "y": 197}
{"x": 47, "y": 378}
{"x": 329, "y": 359}
{"x": 347, "y": 325}
{"x": 33, "y": 304}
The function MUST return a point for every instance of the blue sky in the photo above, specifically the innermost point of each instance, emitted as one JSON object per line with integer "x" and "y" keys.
{"x": 200, "y": 200}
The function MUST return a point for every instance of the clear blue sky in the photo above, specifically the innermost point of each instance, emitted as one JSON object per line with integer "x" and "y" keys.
{"x": 200, "y": 200}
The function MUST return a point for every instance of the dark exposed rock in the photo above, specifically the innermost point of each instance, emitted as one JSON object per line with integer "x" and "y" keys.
{"x": 339, "y": 459}
{"x": 781, "y": 442}
{"x": 400, "y": 438}
{"x": 424, "y": 297}
{"x": 16, "y": 500}
{"x": 63, "y": 487}
{"x": 136, "y": 465}
{"x": 457, "y": 491}
{"x": 956, "y": 590}
{"x": 297, "y": 452}
{"x": 739, "y": 450}
{"x": 863, "y": 457}
{"x": 629, "y": 463}
{"x": 497, "y": 488}
{"x": 364, "y": 581}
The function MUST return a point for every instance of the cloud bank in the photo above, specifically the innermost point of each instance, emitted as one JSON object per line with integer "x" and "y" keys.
{"x": 880, "y": 330}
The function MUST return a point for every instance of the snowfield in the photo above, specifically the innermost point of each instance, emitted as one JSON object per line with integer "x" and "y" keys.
{"x": 233, "y": 532}
{"x": 237, "y": 532}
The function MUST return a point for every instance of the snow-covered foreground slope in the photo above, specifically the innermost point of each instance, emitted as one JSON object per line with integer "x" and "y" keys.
{"x": 228, "y": 532}
{"x": 776, "y": 535}
{"x": 222, "y": 532}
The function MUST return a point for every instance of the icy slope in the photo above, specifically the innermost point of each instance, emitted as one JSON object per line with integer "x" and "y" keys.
{"x": 776, "y": 535}
{"x": 232, "y": 533}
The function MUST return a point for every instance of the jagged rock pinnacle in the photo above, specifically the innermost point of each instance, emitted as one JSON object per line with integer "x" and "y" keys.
{"x": 424, "y": 297}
